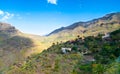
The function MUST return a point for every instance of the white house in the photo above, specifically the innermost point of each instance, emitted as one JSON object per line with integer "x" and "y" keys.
{"x": 106, "y": 36}
{"x": 64, "y": 50}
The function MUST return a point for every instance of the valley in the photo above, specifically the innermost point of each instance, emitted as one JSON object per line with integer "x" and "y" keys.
{"x": 33, "y": 54}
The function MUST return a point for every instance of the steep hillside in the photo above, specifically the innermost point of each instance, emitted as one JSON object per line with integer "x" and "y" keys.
{"x": 15, "y": 46}
{"x": 92, "y": 55}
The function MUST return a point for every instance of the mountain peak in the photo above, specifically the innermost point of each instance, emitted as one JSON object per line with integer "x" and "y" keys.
{"x": 8, "y": 29}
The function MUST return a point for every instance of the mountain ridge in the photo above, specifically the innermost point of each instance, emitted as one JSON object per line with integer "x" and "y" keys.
{"x": 107, "y": 17}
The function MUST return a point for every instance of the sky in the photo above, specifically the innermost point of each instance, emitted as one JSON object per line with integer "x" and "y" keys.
{"x": 43, "y": 16}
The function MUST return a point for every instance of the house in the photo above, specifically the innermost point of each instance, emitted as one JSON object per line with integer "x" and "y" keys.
{"x": 65, "y": 50}
{"x": 107, "y": 35}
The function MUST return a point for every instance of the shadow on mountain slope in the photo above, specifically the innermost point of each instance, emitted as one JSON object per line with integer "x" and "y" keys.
{"x": 13, "y": 50}
{"x": 17, "y": 42}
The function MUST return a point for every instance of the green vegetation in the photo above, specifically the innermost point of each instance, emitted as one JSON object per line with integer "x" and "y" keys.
{"x": 53, "y": 61}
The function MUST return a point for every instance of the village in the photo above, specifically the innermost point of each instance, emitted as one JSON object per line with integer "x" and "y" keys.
{"x": 64, "y": 50}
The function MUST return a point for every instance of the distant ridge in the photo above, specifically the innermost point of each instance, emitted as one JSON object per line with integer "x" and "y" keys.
{"x": 111, "y": 18}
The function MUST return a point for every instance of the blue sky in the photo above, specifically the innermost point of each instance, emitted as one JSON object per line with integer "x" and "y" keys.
{"x": 43, "y": 16}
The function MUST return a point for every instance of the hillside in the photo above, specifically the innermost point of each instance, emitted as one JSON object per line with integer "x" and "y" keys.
{"x": 93, "y": 55}
{"x": 105, "y": 24}
{"x": 15, "y": 46}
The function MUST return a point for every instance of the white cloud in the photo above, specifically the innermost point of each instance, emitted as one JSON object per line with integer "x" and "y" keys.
{"x": 1, "y": 12}
{"x": 52, "y": 1}
{"x": 4, "y": 16}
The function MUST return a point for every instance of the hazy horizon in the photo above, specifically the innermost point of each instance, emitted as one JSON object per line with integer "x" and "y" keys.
{"x": 40, "y": 17}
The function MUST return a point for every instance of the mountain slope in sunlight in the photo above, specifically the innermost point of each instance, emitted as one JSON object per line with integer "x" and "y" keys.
{"x": 105, "y": 24}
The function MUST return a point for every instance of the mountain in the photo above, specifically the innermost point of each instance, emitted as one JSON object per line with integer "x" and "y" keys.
{"x": 71, "y": 27}
{"x": 8, "y": 29}
{"x": 105, "y": 21}
{"x": 17, "y": 47}
{"x": 93, "y": 55}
